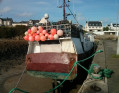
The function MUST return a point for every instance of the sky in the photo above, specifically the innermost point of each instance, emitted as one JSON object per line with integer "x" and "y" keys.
{"x": 106, "y": 11}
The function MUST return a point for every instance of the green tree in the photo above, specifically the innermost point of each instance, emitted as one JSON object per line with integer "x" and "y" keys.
{"x": 11, "y": 32}
{"x": 105, "y": 28}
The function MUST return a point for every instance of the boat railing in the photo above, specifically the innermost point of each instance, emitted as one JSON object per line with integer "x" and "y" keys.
{"x": 65, "y": 27}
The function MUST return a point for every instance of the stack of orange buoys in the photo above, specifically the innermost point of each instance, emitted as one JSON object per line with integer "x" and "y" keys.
{"x": 38, "y": 33}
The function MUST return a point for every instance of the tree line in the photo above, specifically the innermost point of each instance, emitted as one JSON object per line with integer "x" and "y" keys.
{"x": 105, "y": 28}
{"x": 11, "y": 32}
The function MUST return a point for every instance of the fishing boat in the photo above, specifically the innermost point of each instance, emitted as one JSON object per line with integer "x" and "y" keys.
{"x": 55, "y": 58}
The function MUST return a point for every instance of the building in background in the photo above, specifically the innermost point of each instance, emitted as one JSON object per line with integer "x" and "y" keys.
{"x": 113, "y": 27}
{"x": 9, "y": 22}
{"x": 26, "y": 23}
{"x": 6, "y": 21}
{"x": 22, "y": 23}
{"x": 33, "y": 22}
{"x": 92, "y": 26}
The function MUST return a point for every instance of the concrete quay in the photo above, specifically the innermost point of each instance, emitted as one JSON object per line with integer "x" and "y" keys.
{"x": 106, "y": 60}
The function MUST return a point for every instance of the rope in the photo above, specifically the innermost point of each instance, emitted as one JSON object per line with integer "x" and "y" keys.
{"x": 91, "y": 68}
{"x": 18, "y": 89}
{"x": 13, "y": 90}
{"x": 63, "y": 80}
{"x": 107, "y": 73}
{"x": 75, "y": 63}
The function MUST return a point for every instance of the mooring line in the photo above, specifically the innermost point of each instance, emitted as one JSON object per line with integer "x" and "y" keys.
{"x": 20, "y": 78}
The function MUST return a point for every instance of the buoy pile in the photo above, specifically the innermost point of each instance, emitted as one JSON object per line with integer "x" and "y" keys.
{"x": 40, "y": 34}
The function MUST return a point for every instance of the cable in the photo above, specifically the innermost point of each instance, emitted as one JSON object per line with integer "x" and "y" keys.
{"x": 73, "y": 16}
{"x": 19, "y": 79}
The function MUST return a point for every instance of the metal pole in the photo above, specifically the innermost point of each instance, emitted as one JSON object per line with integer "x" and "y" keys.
{"x": 118, "y": 45}
{"x": 64, "y": 9}
{"x": 118, "y": 35}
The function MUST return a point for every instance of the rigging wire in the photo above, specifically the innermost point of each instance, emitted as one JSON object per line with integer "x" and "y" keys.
{"x": 73, "y": 6}
{"x": 73, "y": 16}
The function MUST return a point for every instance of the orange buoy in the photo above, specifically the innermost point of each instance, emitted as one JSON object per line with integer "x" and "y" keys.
{"x": 37, "y": 38}
{"x": 51, "y": 37}
{"x": 44, "y": 31}
{"x": 29, "y": 31}
{"x": 40, "y": 28}
{"x": 34, "y": 29}
{"x": 26, "y": 37}
{"x": 53, "y": 31}
{"x": 42, "y": 38}
{"x": 31, "y": 38}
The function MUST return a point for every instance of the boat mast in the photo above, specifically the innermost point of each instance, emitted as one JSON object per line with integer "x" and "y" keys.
{"x": 63, "y": 6}
{"x": 64, "y": 10}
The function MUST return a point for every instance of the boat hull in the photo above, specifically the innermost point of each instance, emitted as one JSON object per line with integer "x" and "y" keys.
{"x": 53, "y": 65}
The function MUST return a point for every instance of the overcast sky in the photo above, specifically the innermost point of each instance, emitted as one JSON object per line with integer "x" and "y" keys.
{"x": 85, "y": 10}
